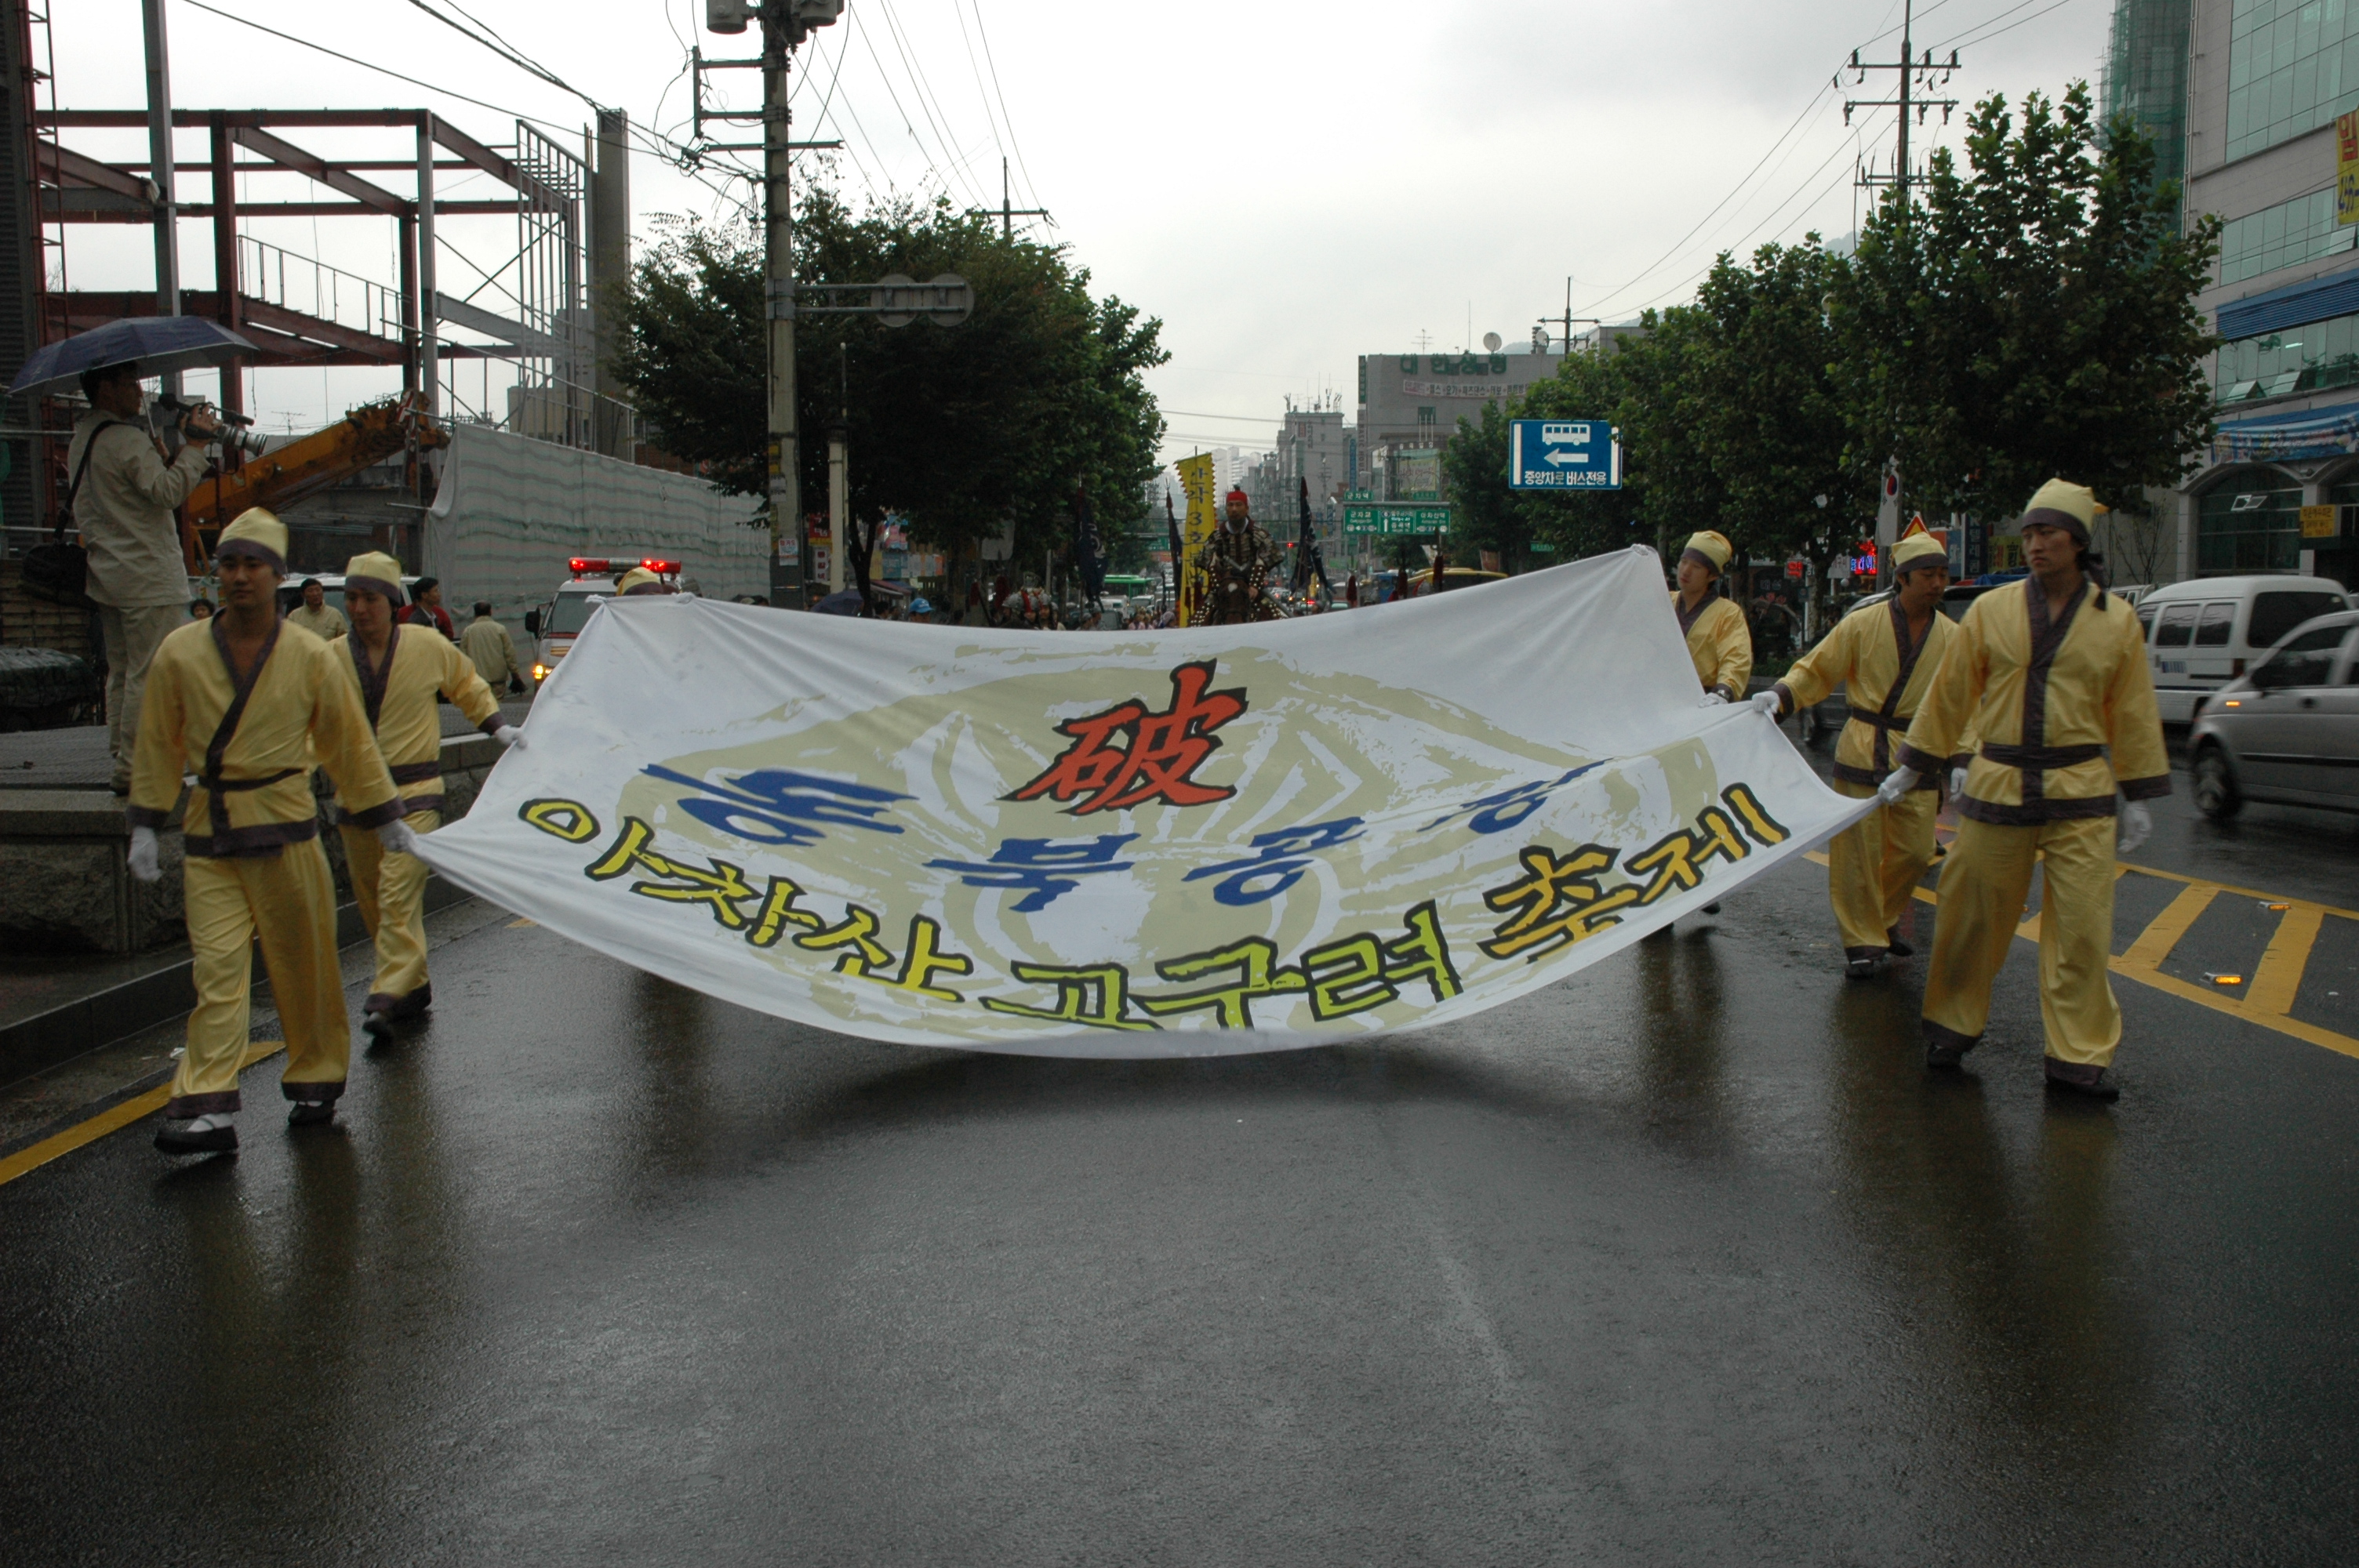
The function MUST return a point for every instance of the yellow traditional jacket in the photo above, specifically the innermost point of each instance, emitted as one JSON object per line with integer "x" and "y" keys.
{"x": 2049, "y": 701}
{"x": 1885, "y": 679}
{"x": 398, "y": 699}
{"x": 252, "y": 744}
{"x": 1718, "y": 641}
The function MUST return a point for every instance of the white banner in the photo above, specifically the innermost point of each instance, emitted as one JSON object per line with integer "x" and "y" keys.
{"x": 1156, "y": 844}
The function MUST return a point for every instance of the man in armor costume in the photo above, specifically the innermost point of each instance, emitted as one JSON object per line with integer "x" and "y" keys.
{"x": 1231, "y": 572}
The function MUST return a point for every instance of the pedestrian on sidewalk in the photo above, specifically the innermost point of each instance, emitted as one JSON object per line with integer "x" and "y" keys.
{"x": 488, "y": 644}
{"x": 316, "y": 615}
{"x": 125, "y": 499}
{"x": 395, "y": 673}
{"x": 252, "y": 702}
{"x": 1883, "y": 656}
{"x": 2052, "y": 678}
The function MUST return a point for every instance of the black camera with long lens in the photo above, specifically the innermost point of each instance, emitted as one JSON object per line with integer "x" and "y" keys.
{"x": 230, "y": 429}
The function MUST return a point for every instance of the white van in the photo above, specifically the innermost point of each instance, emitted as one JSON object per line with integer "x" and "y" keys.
{"x": 2201, "y": 634}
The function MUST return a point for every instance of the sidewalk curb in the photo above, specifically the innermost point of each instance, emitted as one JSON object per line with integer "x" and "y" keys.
{"x": 37, "y": 1044}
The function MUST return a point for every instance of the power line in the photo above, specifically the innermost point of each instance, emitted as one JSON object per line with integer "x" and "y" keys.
{"x": 1985, "y": 37}
{"x": 924, "y": 94}
{"x": 1004, "y": 118}
{"x": 1682, "y": 243}
{"x": 906, "y": 124}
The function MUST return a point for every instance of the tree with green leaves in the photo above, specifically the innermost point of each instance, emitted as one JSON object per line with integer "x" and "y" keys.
{"x": 2030, "y": 317}
{"x": 964, "y": 429}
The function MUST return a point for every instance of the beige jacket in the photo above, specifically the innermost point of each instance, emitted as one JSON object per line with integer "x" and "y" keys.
{"x": 488, "y": 644}
{"x": 126, "y": 511}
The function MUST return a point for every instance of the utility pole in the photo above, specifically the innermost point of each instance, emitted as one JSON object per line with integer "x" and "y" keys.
{"x": 160, "y": 160}
{"x": 1008, "y": 215}
{"x": 1568, "y": 318}
{"x": 1913, "y": 72}
{"x": 781, "y": 30}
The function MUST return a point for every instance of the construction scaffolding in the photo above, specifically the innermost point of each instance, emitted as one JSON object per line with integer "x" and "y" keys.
{"x": 454, "y": 315}
{"x": 2146, "y": 76}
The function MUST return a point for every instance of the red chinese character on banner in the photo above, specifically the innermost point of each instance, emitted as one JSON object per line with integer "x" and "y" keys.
{"x": 1127, "y": 756}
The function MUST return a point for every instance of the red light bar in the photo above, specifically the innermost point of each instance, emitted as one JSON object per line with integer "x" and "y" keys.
{"x": 655, "y": 565}
{"x": 582, "y": 564}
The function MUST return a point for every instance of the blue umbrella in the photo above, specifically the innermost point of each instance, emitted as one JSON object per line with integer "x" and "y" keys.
{"x": 843, "y": 601}
{"x": 159, "y": 344}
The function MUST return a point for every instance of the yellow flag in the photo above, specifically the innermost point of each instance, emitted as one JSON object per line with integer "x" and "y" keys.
{"x": 1196, "y": 478}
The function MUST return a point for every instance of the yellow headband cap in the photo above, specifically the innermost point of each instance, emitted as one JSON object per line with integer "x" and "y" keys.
{"x": 1712, "y": 547}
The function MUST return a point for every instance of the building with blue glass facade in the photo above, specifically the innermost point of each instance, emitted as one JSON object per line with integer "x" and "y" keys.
{"x": 2263, "y": 81}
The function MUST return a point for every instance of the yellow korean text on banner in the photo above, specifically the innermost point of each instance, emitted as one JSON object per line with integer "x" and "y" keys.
{"x": 1175, "y": 843}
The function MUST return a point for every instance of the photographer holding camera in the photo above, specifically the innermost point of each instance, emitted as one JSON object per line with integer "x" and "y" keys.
{"x": 124, "y": 495}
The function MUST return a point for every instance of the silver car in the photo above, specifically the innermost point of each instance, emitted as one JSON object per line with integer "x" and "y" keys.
{"x": 2288, "y": 729}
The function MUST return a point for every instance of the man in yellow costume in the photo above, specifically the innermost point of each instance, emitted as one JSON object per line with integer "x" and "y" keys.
{"x": 395, "y": 673}
{"x": 252, "y": 701}
{"x": 1884, "y": 657}
{"x": 1718, "y": 640}
{"x": 2051, "y": 676}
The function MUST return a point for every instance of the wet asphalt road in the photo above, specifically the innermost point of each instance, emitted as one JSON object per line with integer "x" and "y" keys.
{"x": 1684, "y": 1261}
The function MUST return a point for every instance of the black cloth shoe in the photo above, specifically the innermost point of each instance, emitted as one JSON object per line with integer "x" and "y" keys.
{"x": 1712, "y": 908}
{"x": 1946, "y": 1048}
{"x": 2080, "y": 1078}
{"x": 182, "y": 1141}
{"x": 1896, "y": 947}
{"x": 377, "y": 1027}
{"x": 311, "y": 1113}
{"x": 1865, "y": 963}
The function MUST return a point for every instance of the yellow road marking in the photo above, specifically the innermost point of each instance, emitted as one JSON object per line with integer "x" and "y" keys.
{"x": 2241, "y": 892}
{"x": 2234, "y": 1009}
{"x": 2163, "y": 934}
{"x": 110, "y": 1119}
{"x": 521, "y": 921}
{"x": 2266, "y": 1001}
{"x": 2278, "y": 977}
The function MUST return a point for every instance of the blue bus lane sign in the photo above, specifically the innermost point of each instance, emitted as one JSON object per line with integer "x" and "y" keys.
{"x": 1563, "y": 454}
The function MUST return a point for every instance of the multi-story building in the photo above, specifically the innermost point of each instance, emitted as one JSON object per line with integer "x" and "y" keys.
{"x": 1410, "y": 401}
{"x": 2243, "y": 96}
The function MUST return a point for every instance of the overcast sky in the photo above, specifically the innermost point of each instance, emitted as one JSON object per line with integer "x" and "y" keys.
{"x": 1288, "y": 185}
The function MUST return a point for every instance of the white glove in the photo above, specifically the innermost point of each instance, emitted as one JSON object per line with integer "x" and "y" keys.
{"x": 142, "y": 855}
{"x": 1713, "y": 700}
{"x": 1768, "y": 703}
{"x": 1896, "y": 785}
{"x": 397, "y": 838}
{"x": 1957, "y": 782}
{"x": 2138, "y": 823}
{"x": 509, "y": 735}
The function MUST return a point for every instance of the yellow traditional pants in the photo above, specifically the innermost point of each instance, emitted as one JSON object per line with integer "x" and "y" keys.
{"x": 1874, "y": 866}
{"x": 391, "y": 892}
{"x": 288, "y": 900}
{"x": 1984, "y": 883}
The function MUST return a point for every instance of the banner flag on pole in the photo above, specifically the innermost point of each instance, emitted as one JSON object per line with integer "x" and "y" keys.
{"x": 1196, "y": 479}
{"x": 1178, "y": 843}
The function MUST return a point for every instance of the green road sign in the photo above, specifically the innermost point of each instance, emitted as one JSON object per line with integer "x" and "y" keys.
{"x": 1395, "y": 519}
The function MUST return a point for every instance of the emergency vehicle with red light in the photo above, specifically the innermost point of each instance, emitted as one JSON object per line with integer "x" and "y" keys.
{"x": 554, "y": 625}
